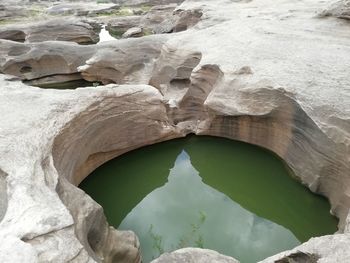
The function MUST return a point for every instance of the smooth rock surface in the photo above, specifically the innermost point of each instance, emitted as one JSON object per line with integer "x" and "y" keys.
{"x": 57, "y": 29}
{"x": 133, "y": 32}
{"x": 339, "y": 9}
{"x": 270, "y": 73}
{"x": 194, "y": 255}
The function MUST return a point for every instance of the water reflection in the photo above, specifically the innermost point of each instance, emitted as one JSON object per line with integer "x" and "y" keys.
{"x": 105, "y": 35}
{"x": 187, "y": 212}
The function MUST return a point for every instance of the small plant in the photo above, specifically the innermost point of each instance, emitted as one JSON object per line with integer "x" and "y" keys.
{"x": 147, "y": 32}
{"x": 157, "y": 242}
{"x": 102, "y": 1}
{"x": 145, "y": 8}
{"x": 194, "y": 237}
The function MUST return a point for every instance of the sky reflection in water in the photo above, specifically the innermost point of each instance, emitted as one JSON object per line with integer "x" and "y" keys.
{"x": 187, "y": 212}
{"x": 105, "y": 35}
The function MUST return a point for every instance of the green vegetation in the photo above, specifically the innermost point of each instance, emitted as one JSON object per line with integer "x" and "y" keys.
{"x": 193, "y": 237}
{"x": 122, "y": 11}
{"x": 147, "y": 32}
{"x": 116, "y": 33}
{"x": 157, "y": 242}
{"x": 145, "y": 8}
{"x": 190, "y": 239}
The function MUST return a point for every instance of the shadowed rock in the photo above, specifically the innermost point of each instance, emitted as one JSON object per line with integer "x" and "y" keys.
{"x": 339, "y": 9}
{"x": 58, "y": 29}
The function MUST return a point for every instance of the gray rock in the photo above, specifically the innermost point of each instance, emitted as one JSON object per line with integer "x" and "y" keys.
{"x": 133, "y": 32}
{"x": 194, "y": 255}
{"x": 339, "y": 9}
{"x": 57, "y": 29}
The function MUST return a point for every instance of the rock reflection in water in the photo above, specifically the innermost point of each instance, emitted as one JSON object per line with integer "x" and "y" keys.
{"x": 186, "y": 212}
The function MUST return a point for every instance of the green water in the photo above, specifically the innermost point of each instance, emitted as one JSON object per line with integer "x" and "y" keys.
{"x": 235, "y": 198}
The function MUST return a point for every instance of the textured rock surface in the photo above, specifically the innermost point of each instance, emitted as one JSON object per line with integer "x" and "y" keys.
{"x": 34, "y": 61}
{"x": 194, "y": 255}
{"x": 273, "y": 74}
{"x": 133, "y": 32}
{"x": 159, "y": 19}
{"x": 340, "y": 9}
{"x": 57, "y": 29}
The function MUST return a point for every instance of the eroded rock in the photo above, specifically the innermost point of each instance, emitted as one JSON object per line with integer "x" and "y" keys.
{"x": 57, "y": 29}
{"x": 339, "y": 9}
{"x": 133, "y": 32}
{"x": 124, "y": 61}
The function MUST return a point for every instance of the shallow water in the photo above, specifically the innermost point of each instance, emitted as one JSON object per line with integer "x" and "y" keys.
{"x": 208, "y": 192}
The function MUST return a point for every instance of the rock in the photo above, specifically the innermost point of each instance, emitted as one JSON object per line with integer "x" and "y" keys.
{"x": 82, "y": 8}
{"x": 40, "y": 60}
{"x": 124, "y": 61}
{"x": 54, "y": 80}
{"x": 194, "y": 255}
{"x": 118, "y": 26}
{"x": 185, "y": 19}
{"x": 12, "y": 34}
{"x": 339, "y": 9}
{"x": 133, "y": 32}
{"x": 158, "y": 19}
{"x": 64, "y": 223}
{"x": 321, "y": 249}
{"x": 57, "y": 29}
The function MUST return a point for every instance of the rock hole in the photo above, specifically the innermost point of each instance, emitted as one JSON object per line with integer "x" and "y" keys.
{"x": 26, "y": 69}
{"x": 14, "y": 35}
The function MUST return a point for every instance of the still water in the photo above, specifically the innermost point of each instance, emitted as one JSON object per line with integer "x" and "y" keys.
{"x": 229, "y": 196}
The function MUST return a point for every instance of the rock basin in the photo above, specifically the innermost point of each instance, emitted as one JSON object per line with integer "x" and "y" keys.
{"x": 198, "y": 192}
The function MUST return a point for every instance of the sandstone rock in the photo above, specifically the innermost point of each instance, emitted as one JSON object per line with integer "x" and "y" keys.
{"x": 185, "y": 19}
{"x": 124, "y": 61}
{"x": 58, "y": 29}
{"x": 158, "y": 19}
{"x": 64, "y": 223}
{"x": 323, "y": 249}
{"x": 12, "y": 34}
{"x": 133, "y": 32}
{"x": 118, "y": 26}
{"x": 34, "y": 61}
{"x": 194, "y": 255}
{"x": 340, "y": 9}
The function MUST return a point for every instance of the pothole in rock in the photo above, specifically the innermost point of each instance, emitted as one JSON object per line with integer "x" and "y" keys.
{"x": 229, "y": 196}
{"x": 72, "y": 84}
